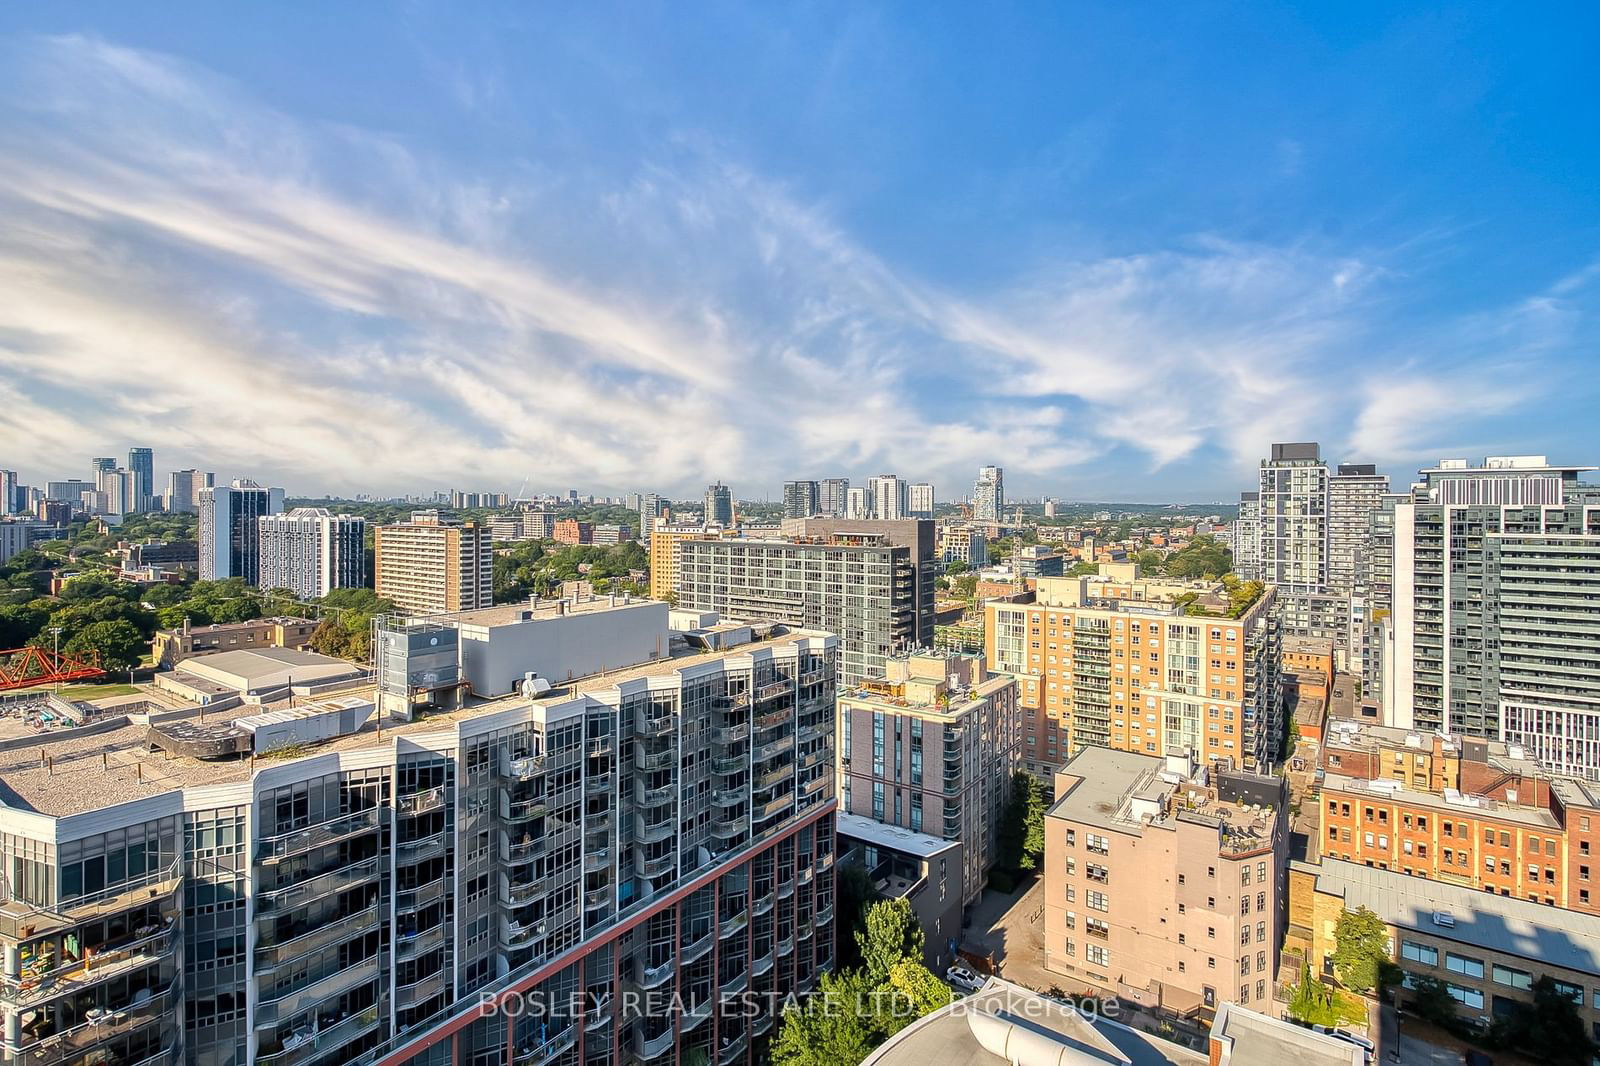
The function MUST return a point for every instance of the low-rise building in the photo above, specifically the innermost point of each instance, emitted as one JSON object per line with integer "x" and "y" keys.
{"x": 172, "y": 646}
{"x": 572, "y": 531}
{"x": 925, "y": 871}
{"x": 1488, "y": 949}
{"x": 1163, "y": 886}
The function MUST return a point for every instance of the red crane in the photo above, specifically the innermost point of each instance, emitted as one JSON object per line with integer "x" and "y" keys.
{"x": 23, "y": 667}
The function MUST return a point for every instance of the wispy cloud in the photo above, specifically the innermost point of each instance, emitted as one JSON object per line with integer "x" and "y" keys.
{"x": 184, "y": 267}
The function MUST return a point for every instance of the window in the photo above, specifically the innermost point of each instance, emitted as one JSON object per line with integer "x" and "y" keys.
{"x": 1462, "y": 964}
{"x": 1096, "y": 955}
{"x": 1097, "y": 844}
{"x": 1467, "y": 997}
{"x": 1422, "y": 953}
{"x": 1095, "y": 900}
{"x": 1572, "y": 992}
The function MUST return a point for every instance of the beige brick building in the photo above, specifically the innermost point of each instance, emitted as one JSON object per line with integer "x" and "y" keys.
{"x": 432, "y": 565}
{"x": 1161, "y": 889}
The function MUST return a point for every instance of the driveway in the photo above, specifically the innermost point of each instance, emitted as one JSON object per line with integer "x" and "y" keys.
{"x": 1011, "y": 928}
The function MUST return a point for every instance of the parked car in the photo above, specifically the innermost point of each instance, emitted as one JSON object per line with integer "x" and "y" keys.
{"x": 1368, "y": 1048}
{"x": 963, "y": 978}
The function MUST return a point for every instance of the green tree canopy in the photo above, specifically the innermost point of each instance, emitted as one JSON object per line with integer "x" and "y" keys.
{"x": 890, "y": 933}
{"x": 1021, "y": 844}
{"x": 856, "y": 892}
{"x": 1204, "y": 556}
{"x": 911, "y": 991}
{"x": 117, "y": 644}
{"x": 1362, "y": 949}
{"x": 839, "y": 1026}
{"x": 1549, "y": 1029}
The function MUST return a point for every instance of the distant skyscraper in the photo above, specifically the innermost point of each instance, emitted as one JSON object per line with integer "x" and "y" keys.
{"x": 834, "y": 497}
{"x": 651, "y": 509}
{"x": 801, "y": 499}
{"x": 142, "y": 462}
{"x": 858, "y": 503}
{"x": 121, "y": 488}
{"x": 230, "y": 529}
{"x": 888, "y": 497}
{"x": 719, "y": 504}
{"x": 1049, "y": 508}
{"x": 68, "y": 491}
{"x": 1247, "y": 537}
{"x": 919, "y": 500}
{"x": 1294, "y": 540}
{"x": 8, "y": 492}
{"x": 312, "y": 551}
{"x": 100, "y": 467}
{"x": 183, "y": 490}
{"x": 989, "y": 494}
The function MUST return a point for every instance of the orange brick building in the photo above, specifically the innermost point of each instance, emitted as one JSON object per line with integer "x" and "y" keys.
{"x": 1474, "y": 813}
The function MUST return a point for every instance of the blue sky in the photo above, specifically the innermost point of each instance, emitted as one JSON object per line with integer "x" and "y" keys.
{"x": 1117, "y": 249}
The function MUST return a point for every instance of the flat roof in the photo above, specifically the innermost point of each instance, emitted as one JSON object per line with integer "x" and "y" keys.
{"x": 255, "y": 663}
{"x": 1108, "y": 777}
{"x": 1112, "y": 779}
{"x": 894, "y": 837}
{"x": 1535, "y": 817}
{"x": 70, "y": 775}
{"x": 1260, "y": 1040}
{"x": 1553, "y": 935}
{"x": 547, "y": 608}
{"x": 1008, "y": 1015}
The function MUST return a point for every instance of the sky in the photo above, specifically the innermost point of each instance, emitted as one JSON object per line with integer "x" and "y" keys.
{"x": 1117, "y": 249}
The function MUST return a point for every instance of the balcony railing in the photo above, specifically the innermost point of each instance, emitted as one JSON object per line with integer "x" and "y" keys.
{"x": 415, "y": 945}
{"x": 421, "y": 802}
{"x": 100, "y": 964}
{"x": 781, "y": 687}
{"x": 270, "y": 956}
{"x": 314, "y": 989}
{"x": 596, "y": 860}
{"x": 526, "y": 851}
{"x": 653, "y": 976}
{"x": 413, "y": 852}
{"x": 730, "y": 764}
{"x": 414, "y": 899}
{"x": 660, "y": 866}
{"x": 655, "y": 761}
{"x": 731, "y": 1050}
{"x": 99, "y": 1025}
{"x": 419, "y": 992}
{"x": 298, "y": 894}
{"x": 733, "y": 924}
{"x": 298, "y": 841}
{"x": 308, "y": 1044}
{"x": 696, "y": 1014}
{"x": 730, "y": 734}
{"x": 597, "y": 783}
{"x": 523, "y": 810}
{"x": 514, "y": 936}
{"x": 696, "y": 948}
{"x": 522, "y": 893}
{"x": 730, "y": 828}
{"x": 524, "y": 769}
{"x": 646, "y": 726}
{"x": 730, "y": 797}
{"x": 654, "y": 797}
{"x": 649, "y": 1047}
{"x": 535, "y": 1054}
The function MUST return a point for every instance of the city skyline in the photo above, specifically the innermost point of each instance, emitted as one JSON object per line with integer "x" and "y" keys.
{"x": 482, "y": 237}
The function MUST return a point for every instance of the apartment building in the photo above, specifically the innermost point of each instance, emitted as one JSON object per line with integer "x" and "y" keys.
{"x": 1494, "y": 569}
{"x": 719, "y": 504}
{"x": 183, "y": 490}
{"x": 312, "y": 551}
{"x": 963, "y": 544}
{"x": 919, "y": 500}
{"x": 1480, "y": 814}
{"x": 801, "y": 499}
{"x": 572, "y": 531}
{"x": 989, "y": 494}
{"x": 888, "y": 497}
{"x": 664, "y": 556}
{"x": 434, "y": 565}
{"x": 477, "y": 887}
{"x": 930, "y": 745}
{"x": 834, "y": 497}
{"x": 1246, "y": 537}
{"x": 1138, "y": 665}
{"x": 869, "y": 583}
{"x": 230, "y": 528}
{"x": 1162, "y": 886}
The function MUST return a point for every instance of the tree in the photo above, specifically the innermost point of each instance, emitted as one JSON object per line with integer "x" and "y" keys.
{"x": 889, "y": 934}
{"x": 1149, "y": 560}
{"x": 956, "y": 566}
{"x": 910, "y": 992}
{"x": 1549, "y": 1029}
{"x": 1362, "y": 950}
{"x": 1021, "y": 844}
{"x": 1084, "y": 570}
{"x": 856, "y": 892}
{"x": 1432, "y": 1001}
{"x": 1311, "y": 1001}
{"x": 118, "y": 644}
{"x": 1203, "y": 556}
{"x": 839, "y": 1026}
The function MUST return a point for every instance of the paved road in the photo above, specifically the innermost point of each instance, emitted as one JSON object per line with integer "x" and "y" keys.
{"x": 1012, "y": 928}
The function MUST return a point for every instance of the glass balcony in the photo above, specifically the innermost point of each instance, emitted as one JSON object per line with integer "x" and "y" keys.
{"x": 646, "y": 726}
{"x": 731, "y": 827}
{"x": 649, "y": 1047}
{"x": 730, "y": 797}
{"x": 525, "y": 810}
{"x": 271, "y": 955}
{"x": 524, "y": 851}
{"x": 655, "y": 976}
{"x": 597, "y": 897}
{"x": 785, "y": 946}
{"x": 733, "y": 924}
{"x": 730, "y": 764}
{"x": 825, "y": 914}
{"x": 599, "y": 1014}
{"x": 656, "y": 827}
{"x": 772, "y": 690}
{"x": 536, "y": 1053}
{"x": 298, "y": 894}
{"x": 311, "y": 1043}
{"x": 421, "y": 991}
{"x": 774, "y": 749}
{"x": 737, "y": 983}
{"x": 298, "y": 841}
{"x": 730, "y": 734}
{"x": 653, "y": 762}
{"x": 597, "y": 783}
{"x": 761, "y": 1025}
{"x": 315, "y": 988}
{"x": 524, "y": 769}
{"x": 414, "y": 899}
{"x": 661, "y": 866}
{"x": 596, "y": 860}
{"x": 522, "y": 893}
{"x": 413, "y": 852}
{"x": 696, "y": 1014}
{"x": 417, "y": 944}
{"x": 80, "y": 1043}
{"x": 732, "y": 1050}
{"x": 421, "y": 802}
{"x": 654, "y": 797}
{"x": 514, "y": 936}
{"x": 100, "y": 963}
{"x": 697, "y": 948}
{"x": 600, "y": 746}
{"x": 762, "y": 964}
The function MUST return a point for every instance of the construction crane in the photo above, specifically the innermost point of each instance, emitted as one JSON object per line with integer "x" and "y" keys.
{"x": 25, "y": 667}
